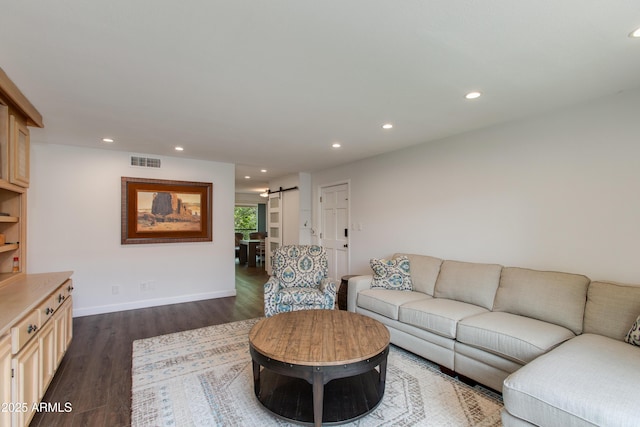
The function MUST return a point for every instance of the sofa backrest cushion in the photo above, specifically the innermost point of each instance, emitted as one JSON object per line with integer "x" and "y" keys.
{"x": 550, "y": 296}
{"x": 468, "y": 282}
{"x": 611, "y": 309}
{"x": 424, "y": 272}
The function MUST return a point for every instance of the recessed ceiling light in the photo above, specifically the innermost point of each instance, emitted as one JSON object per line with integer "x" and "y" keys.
{"x": 473, "y": 95}
{"x": 247, "y": 177}
{"x": 107, "y": 140}
{"x": 178, "y": 148}
{"x": 336, "y": 145}
{"x": 263, "y": 170}
{"x": 635, "y": 34}
{"x": 387, "y": 126}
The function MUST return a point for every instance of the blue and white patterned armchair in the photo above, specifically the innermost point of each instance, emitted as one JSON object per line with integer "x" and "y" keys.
{"x": 299, "y": 280}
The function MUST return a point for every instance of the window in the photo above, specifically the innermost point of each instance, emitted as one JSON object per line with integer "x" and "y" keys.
{"x": 245, "y": 220}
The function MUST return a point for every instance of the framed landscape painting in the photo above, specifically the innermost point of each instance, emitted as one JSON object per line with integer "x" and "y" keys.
{"x": 163, "y": 211}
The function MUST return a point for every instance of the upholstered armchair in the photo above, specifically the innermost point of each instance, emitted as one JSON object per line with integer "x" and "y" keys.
{"x": 299, "y": 280}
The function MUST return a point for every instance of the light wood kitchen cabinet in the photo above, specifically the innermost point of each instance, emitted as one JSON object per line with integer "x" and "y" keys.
{"x": 26, "y": 382}
{"x": 48, "y": 353}
{"x": 16, "y": 115}
{"x": 36, "y": 310}
{"x": 5, "y": 379}
{"x": 18, "y": 152}
{"x": 36, "y": 339}
{"x": 63, "y": 321}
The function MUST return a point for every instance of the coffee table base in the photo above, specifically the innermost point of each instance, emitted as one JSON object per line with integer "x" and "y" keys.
{"x": 312, "y": 346}
{"x": 345, "y": 399}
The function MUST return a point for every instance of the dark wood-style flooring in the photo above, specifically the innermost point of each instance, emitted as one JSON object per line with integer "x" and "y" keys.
{"x": 95, "y": 374}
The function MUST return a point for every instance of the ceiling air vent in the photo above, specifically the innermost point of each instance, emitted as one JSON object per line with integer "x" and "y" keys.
{"x": 145, "y": 162}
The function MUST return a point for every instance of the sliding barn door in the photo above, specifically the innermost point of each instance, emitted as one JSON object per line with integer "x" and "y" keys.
{"x": 274, "y": 239}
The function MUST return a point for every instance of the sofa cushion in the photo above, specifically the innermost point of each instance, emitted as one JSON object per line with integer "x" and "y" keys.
{"x": 468, "y": 282}
{"x": 544, "y": 295}
{"x": 633, "y": 336}
{"x": 513, "y": 337}
{"x": 611, "y": 309}
{"x": 300, "y": 296}
{"x": 386, "y": 302}
{"x": 391, "y": 273}
{"x": 437, "y": 315}
{"x": 424, "y": 272}
{"x": 589, "y": 380}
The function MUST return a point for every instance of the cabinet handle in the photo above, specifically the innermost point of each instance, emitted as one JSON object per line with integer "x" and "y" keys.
{"x": 60, "y": 298}
{"x": 31, "y": 328}
{"x": 48, "y": 311}
{"x": 70, "y": 288}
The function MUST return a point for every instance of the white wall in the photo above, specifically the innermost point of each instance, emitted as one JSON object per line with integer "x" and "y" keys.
{"x": 558, "y": 192}
{"x": 74, "y": 224}
{"x": 248, "y": 199}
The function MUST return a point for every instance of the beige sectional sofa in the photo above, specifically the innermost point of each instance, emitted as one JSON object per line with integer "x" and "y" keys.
{"x": 551, "y": 342}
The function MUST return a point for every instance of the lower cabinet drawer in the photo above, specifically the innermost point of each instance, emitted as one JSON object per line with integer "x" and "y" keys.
{"x": 24, "y": 330}
{"x": 68, "y": 287}
{"x": 46, "y": 310}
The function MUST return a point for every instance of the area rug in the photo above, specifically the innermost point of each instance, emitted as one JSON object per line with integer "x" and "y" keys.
{"x": 203, "y": 377}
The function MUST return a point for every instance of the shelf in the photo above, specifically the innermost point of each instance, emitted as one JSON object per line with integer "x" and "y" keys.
{"x": 9, "y": 247}
{"x": 9, "y": 218}
{"x": 6, "y": 185}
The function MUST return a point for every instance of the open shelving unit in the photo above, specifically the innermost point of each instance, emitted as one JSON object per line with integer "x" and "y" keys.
{"x": 16, "y": 115}
{"x": 13, "y": 227}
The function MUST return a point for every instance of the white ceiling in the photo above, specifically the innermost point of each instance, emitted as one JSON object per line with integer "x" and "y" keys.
{"x": 272, "y": 84}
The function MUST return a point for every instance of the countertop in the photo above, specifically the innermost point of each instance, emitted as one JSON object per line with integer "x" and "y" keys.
{"x": 23, "y": 294}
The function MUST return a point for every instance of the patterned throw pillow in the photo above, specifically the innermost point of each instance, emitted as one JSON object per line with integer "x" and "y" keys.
{"x": 391, "y": 274}
{"x": 633, "y": 336}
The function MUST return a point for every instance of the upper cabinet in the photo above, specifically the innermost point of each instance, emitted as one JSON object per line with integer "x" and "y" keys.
{"x": 16, "y": 115}
{"x": 18, "y": 152}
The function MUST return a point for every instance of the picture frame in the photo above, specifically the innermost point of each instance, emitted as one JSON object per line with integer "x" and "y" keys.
{"x": 164, "y": 211}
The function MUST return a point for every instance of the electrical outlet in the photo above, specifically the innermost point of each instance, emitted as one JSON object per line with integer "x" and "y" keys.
{"x": 149, "y": 285}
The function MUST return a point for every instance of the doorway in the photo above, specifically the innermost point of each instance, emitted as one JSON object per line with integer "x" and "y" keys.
{"x": 249, "y": 221}
{"x": 334, "y": 232}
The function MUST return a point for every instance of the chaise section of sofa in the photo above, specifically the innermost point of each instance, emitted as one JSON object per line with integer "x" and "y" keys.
{"x": 589, "y": 380}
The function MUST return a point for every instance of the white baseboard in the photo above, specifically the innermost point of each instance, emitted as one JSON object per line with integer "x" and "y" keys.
{"x": 111, "y": 308}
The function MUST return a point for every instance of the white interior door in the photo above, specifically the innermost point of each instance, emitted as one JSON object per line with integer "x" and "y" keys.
{"x": 334, "y": 234}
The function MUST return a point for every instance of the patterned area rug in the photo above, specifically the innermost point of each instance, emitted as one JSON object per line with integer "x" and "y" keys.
{"x": 203, "y": 377}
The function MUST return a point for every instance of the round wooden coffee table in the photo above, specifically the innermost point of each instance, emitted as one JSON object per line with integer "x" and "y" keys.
{"x": 319, "y": 365}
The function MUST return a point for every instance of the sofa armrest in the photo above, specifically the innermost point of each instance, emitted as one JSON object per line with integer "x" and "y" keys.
{"x": 357, "y": 284}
